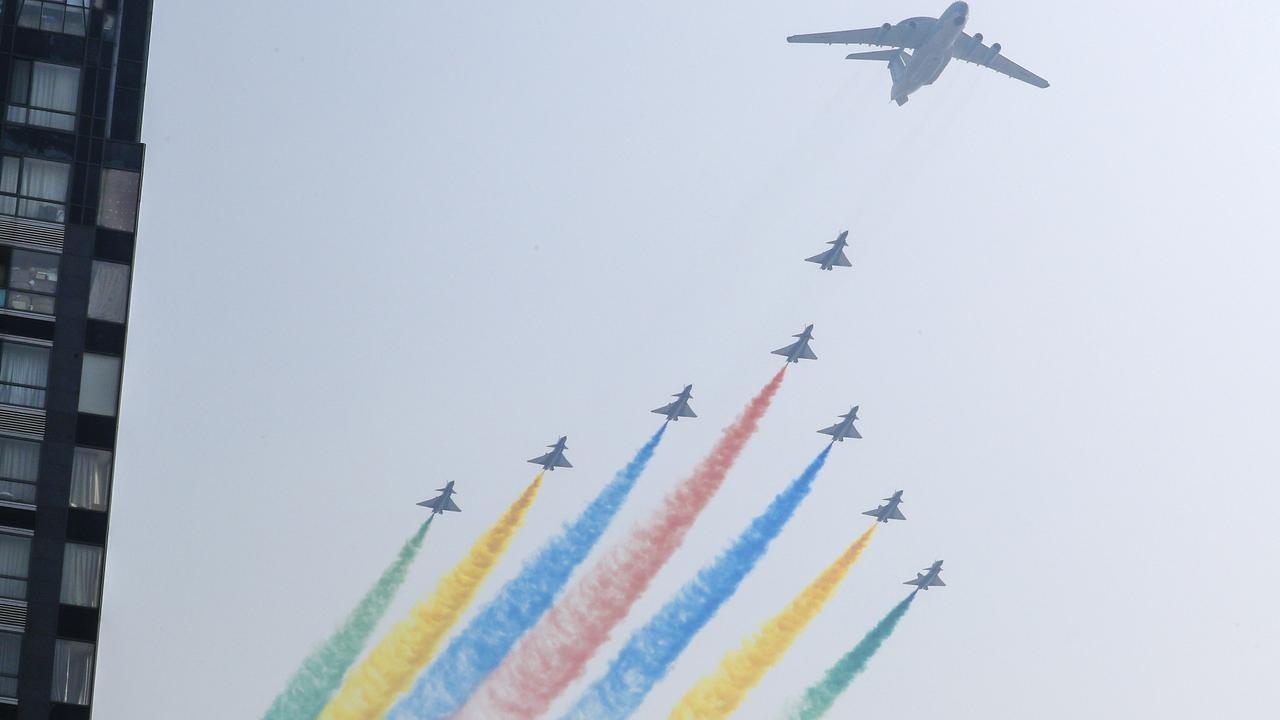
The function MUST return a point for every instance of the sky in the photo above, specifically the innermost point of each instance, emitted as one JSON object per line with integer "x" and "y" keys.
{"x": 387, "y": 245}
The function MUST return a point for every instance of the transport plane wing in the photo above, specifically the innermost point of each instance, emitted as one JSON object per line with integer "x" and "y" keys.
{"x": 834, "y": 257}
{"x": 799, "y": 350}
{"x": 680, "y": 408}
{"x": 555, "y": 458}
{"x": 889, "y": 511}
{"x": 444, "y": 502}
{"x": 910, "y": 33}
{"x": 929, "y": 578}
{"x": 969, "y": 48}
{"x": 844, "y": 428}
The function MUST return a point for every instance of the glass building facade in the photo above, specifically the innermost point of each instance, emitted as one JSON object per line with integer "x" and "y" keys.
{"x": 72, "y": 73}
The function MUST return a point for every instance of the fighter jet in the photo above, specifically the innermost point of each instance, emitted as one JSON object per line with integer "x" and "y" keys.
{"x": 835, "y": 256}
{"x": 444, "y": 503}
{"x": 929, "y": 578}
{"x": 844, "y": 428}
{"x": 680, "y": 408}
{"x": 888, "y": 511}
{"x": 799, "y": 350}
{"x": 935, "y": 43}
{"x": 555, "y": 458}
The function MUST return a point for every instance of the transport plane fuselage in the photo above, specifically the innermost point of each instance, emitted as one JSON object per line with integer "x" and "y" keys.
{"x": 931, "y": 58}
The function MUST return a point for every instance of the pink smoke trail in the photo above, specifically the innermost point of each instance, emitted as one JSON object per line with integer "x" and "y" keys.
{"x": 553, "y": 654}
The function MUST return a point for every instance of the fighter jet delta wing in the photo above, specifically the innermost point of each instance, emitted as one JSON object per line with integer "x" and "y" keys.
{"x": 680, "y": 408}
{"x": 799, "y": 350}
{"x": 844, "y": 428}
{"x": 444, "y": 502}
{"x": 834, "y": 257}
{"x": 969, "y": 48}
{"x": 888, "y": 511}
{"x": 929, "y": 578}
{"x": 555, "y": 458}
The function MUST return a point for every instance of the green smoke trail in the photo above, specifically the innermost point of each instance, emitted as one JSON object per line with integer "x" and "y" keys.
{"x": 818, "y": 699}
{"x": 321, "y": 673}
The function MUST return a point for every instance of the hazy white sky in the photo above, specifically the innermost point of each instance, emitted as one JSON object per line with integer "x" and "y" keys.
{"x": 386, "y": 245}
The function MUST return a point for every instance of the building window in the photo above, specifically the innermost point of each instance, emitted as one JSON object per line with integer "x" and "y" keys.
{"x": 31, "y": 280}
{"x": 118, "y": 200}
{"x": 99, "y": 384}
{"x": 72, "y": 672}
{"x": 60, "y": 16}
{"x": 90, "y": 479}
{"x": 19, "y": 468}
{"x": 33, "y": 188}
{"x": 10, "y": 655}
{"x": 43, "y": 94}
{"x": 24, "y": 374}
{"x": 81, "y": 575}
{"x": 108, "y": 291}
{"x": 15, "y": 557}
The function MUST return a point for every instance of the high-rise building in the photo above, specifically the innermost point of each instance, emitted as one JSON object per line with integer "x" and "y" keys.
{"x": 72, "y": 73}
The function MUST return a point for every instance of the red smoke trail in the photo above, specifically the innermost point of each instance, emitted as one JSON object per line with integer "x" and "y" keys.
{"x": 552, "y": 655}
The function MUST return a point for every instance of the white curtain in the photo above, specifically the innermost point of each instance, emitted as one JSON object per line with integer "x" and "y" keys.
{"x": 15, "y": 555}
{"x": 81, "y": 573}
{"x": 108, "y": 291}
{"x": 45, "y": 179}
{"x": 10, "y": 658}
{"x": 54, "y": 87}
{"x": 10, "y": 652}
{"x": 72, "y": 672}
{"x": 90, "y": 479}
{"x": 19, "y": 459}
{"x": 25, "y": 365}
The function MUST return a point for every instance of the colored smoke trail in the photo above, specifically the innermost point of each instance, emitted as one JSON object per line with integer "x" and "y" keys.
{"x": 552, "y": 655}
{"x": 474, "y": 654}
{"x": 720, "y": 693}
{"x": 373, "y": 685}
{"x": 649, "y": 653}
{"x": 321, "y": 672}
{"x": 818, "y": 699}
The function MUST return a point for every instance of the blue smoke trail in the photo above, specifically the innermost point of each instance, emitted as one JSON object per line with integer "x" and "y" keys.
{"x": 652, "y": 649}
{"x": 471, "y": 656}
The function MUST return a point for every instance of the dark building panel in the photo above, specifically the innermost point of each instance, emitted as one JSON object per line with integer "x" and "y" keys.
{"x": 67, "y": 317}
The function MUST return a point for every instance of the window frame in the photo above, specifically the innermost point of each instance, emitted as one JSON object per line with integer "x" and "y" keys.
{"x": 44, "y": 390}
{"x": 95, "y": 601}
{"x": 17, "y": 672}
{"x": 26, "y": 580}
{"x": 82, "y": 5}
{"x": 89, "y": 672}
{"x": 115, "y": 384}
{"x": 8, "y": 290}
{"x": 26, "y": 107}
{"x": 34, "y": 483}
{"x": 19, "y": 197}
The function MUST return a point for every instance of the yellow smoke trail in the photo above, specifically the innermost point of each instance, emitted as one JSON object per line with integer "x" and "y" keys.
{"x": 717, "y": 695}
{"x": 389, "y": 669}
